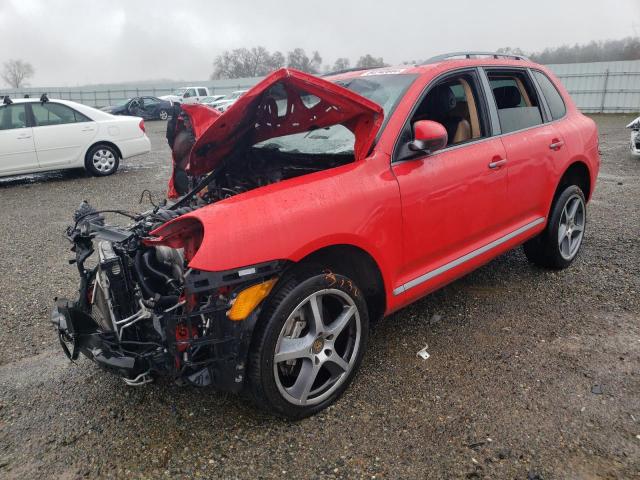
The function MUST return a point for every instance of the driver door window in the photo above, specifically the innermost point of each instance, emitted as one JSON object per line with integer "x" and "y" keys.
{"x": 455, "y": 104}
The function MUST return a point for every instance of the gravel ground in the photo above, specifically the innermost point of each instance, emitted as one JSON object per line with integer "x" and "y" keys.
{"x": 532, "y": 374}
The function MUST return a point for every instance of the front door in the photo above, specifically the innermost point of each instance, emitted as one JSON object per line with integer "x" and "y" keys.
{"x": 17, "y": 150}
{"x": 453, "y": 201}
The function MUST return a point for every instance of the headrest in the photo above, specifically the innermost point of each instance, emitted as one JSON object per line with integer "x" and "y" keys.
{"x": 441, "y": 100}
{"x": 507, "y": 97}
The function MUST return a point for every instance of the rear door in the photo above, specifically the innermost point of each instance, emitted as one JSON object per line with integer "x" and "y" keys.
{"x": 532, "y": 146}
{"x": 17, "y": 149}
{"x": 61, "y": 134}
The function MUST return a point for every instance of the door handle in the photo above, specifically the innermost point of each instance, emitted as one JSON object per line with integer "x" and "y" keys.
{"x": 556, "y": 145}
{"x": 23, "y": 137}
{"x": 87, "y": 130}
{"x": 498, "y": 163}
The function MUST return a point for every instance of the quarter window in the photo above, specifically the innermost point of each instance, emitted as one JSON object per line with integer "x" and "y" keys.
{"x": 46, "y": 114}
{"x": 12, "y": 116}
{"x": 516, "y": 100}
{"x": 551, "y": 94}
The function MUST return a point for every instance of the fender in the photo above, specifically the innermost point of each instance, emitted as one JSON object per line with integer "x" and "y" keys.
{"x": 293, "y": 218}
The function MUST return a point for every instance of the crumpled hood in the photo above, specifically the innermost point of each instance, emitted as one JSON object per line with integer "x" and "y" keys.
{"x": 285, "y": 102}
{"x": 635, "y": 124}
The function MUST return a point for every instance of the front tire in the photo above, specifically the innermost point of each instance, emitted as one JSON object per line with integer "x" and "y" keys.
{"x": 102, "y": 160}
{"x": 308, "y": 345}
{"x": 558, "y": 245}
{"x": 163, "y": 114}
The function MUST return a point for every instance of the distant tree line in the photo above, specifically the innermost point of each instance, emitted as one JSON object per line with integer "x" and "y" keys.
{"x": 596, "y": 51}
{"x": 258, "y": 61}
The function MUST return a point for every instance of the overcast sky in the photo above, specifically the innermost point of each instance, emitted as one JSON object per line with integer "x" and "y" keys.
{"x": 76, "y": 42}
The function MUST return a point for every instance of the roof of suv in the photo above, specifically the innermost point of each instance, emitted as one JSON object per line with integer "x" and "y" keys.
{"x": 437, "y": 63}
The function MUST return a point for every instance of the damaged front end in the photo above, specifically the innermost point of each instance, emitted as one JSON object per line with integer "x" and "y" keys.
{"x": 141, "y": 312}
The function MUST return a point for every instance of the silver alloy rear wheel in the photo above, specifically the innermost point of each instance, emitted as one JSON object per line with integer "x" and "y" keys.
{"x": 104, "y": 161}
{"x": 571, "y": 228}
{"x": 317, "y": 347}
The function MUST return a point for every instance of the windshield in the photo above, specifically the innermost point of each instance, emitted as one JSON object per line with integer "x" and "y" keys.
{"x": 385, "y": 90}
{"x": 123, "y": 102}
{"x": 178, "y": 92}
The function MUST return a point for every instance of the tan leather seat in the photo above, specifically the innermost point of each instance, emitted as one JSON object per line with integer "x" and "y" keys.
{"x": 463, "y": 132}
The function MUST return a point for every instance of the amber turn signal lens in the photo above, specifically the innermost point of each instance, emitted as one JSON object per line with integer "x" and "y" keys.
{"x": 248, "y": 299}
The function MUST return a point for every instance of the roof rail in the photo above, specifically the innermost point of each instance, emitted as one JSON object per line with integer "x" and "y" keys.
{"x": 453, "y": 55}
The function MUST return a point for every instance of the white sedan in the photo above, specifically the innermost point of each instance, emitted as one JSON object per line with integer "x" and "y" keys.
{"x": 37, "y": 135}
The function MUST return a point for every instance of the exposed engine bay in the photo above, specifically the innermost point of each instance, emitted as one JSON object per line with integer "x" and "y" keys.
{"x": 142, "y": 312}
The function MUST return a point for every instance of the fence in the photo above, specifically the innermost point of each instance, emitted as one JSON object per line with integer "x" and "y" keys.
{"x": 602, "y": 87}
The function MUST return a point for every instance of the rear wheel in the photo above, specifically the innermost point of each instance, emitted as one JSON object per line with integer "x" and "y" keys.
{"x": 558, "y": 245}
{"x": 308, "y": 345}
{"x": 102, "y": 160}
{"x": 163, "y": 115}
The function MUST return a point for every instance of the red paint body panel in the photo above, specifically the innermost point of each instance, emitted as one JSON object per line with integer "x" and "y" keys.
{"x": 413, "y": 217}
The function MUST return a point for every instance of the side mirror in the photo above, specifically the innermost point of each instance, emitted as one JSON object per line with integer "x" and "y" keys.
{"x": 428, "y": 137}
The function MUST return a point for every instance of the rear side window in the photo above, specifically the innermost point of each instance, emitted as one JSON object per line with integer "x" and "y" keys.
{"x": 48, "y": 113}
{"x": 202, "y": 92}
{"x": 12, "y": 116}
{"x": 516, "y": 99}
{"x": 551, "y": 94}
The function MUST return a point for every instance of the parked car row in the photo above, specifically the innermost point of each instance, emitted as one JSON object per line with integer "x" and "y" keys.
{"x": 160, "y": 108}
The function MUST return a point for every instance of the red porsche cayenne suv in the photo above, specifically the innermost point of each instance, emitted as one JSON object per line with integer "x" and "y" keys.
{"x": 315, "y": 206}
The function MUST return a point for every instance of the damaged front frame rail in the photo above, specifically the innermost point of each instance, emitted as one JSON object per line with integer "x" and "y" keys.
{"x": 158, "y": 336}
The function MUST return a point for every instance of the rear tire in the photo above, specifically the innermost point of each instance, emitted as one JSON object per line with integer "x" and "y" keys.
{"x": 559, "y": 243}
{"x": 308, "y": 344}
{"x": 102, "y": 160}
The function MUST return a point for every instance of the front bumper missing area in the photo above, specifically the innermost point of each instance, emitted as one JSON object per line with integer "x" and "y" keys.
{"x": 218, "y": 359}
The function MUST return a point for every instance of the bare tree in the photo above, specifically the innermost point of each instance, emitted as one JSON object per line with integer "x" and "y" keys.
{"x": 341, "y": 64}
{"x": 369, "y": 61}
{"x": 15, "y": 72}
{"x": 297, "y": 58}
{"x": 244, "y": 62}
